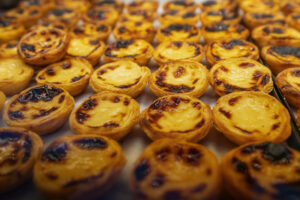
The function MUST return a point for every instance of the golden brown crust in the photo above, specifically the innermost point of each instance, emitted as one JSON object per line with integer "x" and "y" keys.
{"x": 42, "y": 109}
{"x": 10, "y": 31}
{"x": 259, "y": 6}
{"x": 150, "y": 5}
{"x": 2, "y": 99}
{"x": 106, "y": 16}
{"x": 230, "y": 48}
{"x": 226, "y": 16}
{"x": 131, "y": 30}
{"x": 174, "y": 169}
{"x": 111, "y": 4}
{"x": 19, "y": 149}
{"x": 293, "y": 20}
{"x": 9, "y": 49}
{"x": 72, "y": 74}
{"x": 122, "y": 76}
{"x": 59, "y": 174}
{"x": 64, "y": 15}
{"x": 78, "y": 5}
{"x": 276, "y": 35}
{"x": 178, "y": 32}
{"x": 240, "y": 74}
{"x": 179, "y": 77}
{"x": 43, "y": 45}
{"x": 218, "y": 4}
{"x": 221, "y": 30}
{"x": 178, "y": 50}
{"x": 290, "y": 6}
{"x": 138, "y": 51}
{"x": 288, "y": 82}
{"x": 177, "y": 116}
{"x": 266, "y": 171}
{"x": 15, "y": 75}
{"x": 255, "y": 19}
{"x": 180, "y": 5}
{"x": 106, "y": 113}
{"x": 178, "y": 17}
{"x": 251, "y": 117}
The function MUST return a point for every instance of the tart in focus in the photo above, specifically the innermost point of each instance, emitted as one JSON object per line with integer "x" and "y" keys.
{"x": 64, "y": 15}
{"x": 251, "y": 117}
{"x": 180, "y": 5}
{"x": 150, "y": 5}
{"x": 106, "y": 16}
{"x": 9, "y": 49}
{"x": 225, "y": 16}
{"x": 42, "y": 109}
{"x": 174, "y": 169}
{"x": 10, "y": 31}
{"x": 24, "y": 16}
{"x": 178, "y": 50}
{"x": 138, "y": 51}
{"x": 19, "y": 150}
{"x": 72, "y": 74}
{"x": 259, "y": 6}
{"x": 15, "y": 75}
{"x": 43, "y": 45}
{"x": 230, "y": 48}
{"x": 218, "y": 4}
{"x": 122, "y": 76}
{"x": 185, "y": 77}
{"x": 293, "y": 20}
{"x": 288, "y": 82}
{"x": 130, "y": 30}
{"x": 106, "y": 113}
{"x": 178, "y": 17}
{"x": 276, "y": 35}
{"x": 86, "y": 47}
{"x": 92, "y": 30}
{"x": 240, "y": 74}
{"x": 280, "y": 58}
{"x": 221, "y": 30}
{"x": 59, "y": 174}
{"x": 178, "y": 32}
{"x": 108, "y": 4}
{"x": 261, "y": 171}
{"x": 177, "y": 116}
{"x": 255, "y": 19}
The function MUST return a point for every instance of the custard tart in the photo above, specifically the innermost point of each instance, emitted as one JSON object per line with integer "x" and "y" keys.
{"x": 290, "y": 6}
{"x": 230, "y": 48}
{"x": 178, "y": 50}
{"x": 43, "y": 5}
{"x": 179, "y": 77}
{"x": 177, "y": 116}
{"x": 288, "y": 81}
{"x": 9, "y": 49}
{"x": 138, "y": 51}
{"x": 259, "y": 6}
{"x": 117, "y": 5}
{"x": 262, "y": 170}
{"x": 67, "y": 16}
{"x": 240, "y": 74}
{"x": 19, "y": 150}
{"x": 218, "y": 4}
{"x": 77, "y": 5}
{"x": 251, "y": 117}
{"x": 41, "y": 108}
{"x": 104, "y": 16}
{"x": 255, "y": 19}
{"x": 122, "y": 76}
{"x": 280, "y": 58}
{"x": 221, "y": 30}
{"x": 171, "y": 169}
{"x": 275, "y": 34}
{"x": 150, "y": 5}
{"x": 15, "y": 75}
{"x": 180, "y": 5}
{"x": 293, "y": 20}
{"x": 178, "y": 32}
{"x": 225, "y": 16}
{"x": 86, "y": 47}
{"x": 72, "y": 74}
{"x": 10, "y": 31}
{"x": 43, "y": 45}
{"x": 92, "y": 30}
{"x": 106, "y": 113}
{"x": 130, "y": 30}
{"x": 179, "y": 17}
{"x": 78, "y": 167}
{"x": 138, "y": 15}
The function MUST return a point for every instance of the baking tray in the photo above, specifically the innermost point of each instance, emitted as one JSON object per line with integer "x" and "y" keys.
{"x": 136, "y": 141}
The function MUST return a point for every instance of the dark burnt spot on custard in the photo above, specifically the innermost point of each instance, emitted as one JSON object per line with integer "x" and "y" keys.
{"x": 126, "y": 101}
{"x": 239, "y": 166}
{"x": 122, "y": 29}
{"x": 60, "y": 12}
{"x": 50, "y": 71}
{"x": 122, "y": 43}
{"x": 276, "y": 126}
{"x": 240, "y": 29}
{"x": 55, "y": 152}
{"x": 278, "y": 30}
{"x": 162, "y": 154}
{"x": 256, "y": 76}
{"x": 225, "y": 14}
{"x": 76, "y": 78}
{"x": 173, "y": 195}
{"x": 176, "y": 27}
{"x": 96, "y": 14}
{"x": 234, "y": 100}
{"x": 243, "y": 130}
{"x": 193, "y": 156}
{"x": 277, "y": 153}
{"x": 158, "y": 180}
{"x": 209, "y": 3}
{"x": 179, "y": 72}
{"x": 81, "y": 117}
{"x": 27, "y": 47}
{"x": 4, "y": 23}
{"x": 177, "y": 44}
{"x": 51, "y": 176}
{"x": 43, "y": 113}
{"x": 265, "y": 79}
{"x": 200, "y": 188}
{"x": 246, "y": 65}
{"x": 41, "y": 93}
{"x": 195, "y": 81}
{"x": 102, "y": 28}
{"x": 164, "y": 103}
{"x": 130, "y": 85}
{"x": 116, "y": 99}
{"x": 227, "y": 114}
{"x": 286, "y": 51}
{"x": 78, "y": 30}
{"x": 94, "y": 42}
{"x": 83, "y": 181}
{"x": 89, "y": 104}
{"x": 61, "y": 99}
{"x": 200, "y": 124}
{"x": 296, "y": 73}
{"x": 262, "y": 15}
{"x": 196, "y": 105}
{"x": 27, "y": 146}
{"x": 90, "y": 143}
{"x": 15, "y": 115}
{"x": 7, "y": 137}
{"x": 189, "y": 15}
{"x": 11, "y": 45}
{"x": 224, "y": 69}
{"x": 296, "y": 17}
{"x": 142, "y": 170}
{"x": 110, "y": 125}
{"x": 217, "y": 27}
{"x": 256, "y": 165}
{"x": 232, "y": 43}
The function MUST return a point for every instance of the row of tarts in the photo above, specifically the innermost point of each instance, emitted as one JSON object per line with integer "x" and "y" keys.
{"x": 251, "y": 171}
